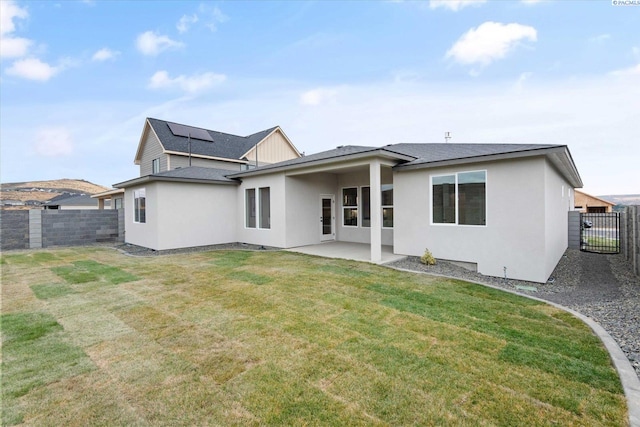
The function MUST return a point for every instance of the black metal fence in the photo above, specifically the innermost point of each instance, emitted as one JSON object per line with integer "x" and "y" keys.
{"x": 600, "y": 232}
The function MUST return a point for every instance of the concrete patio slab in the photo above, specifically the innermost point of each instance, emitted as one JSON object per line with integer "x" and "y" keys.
{"x": 347, "y": 250}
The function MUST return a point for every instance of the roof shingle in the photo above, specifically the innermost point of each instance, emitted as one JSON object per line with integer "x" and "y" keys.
{"x": 224, "y": 145}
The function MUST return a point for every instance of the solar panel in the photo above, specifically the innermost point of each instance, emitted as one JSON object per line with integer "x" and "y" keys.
{"x": 186, "y": 131}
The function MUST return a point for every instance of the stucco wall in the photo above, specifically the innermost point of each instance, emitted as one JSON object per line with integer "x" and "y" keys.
{"x": 558, "y": 201}
{"x": 274, "y": 236}
{"x": 195, "y": 214}
{"x": 359, "y": 234}
{"x": 142, "y": 234}
{"x": 183, "y": 215}
{"x": 514, "y": 236}
{"x": 303, "y": 210}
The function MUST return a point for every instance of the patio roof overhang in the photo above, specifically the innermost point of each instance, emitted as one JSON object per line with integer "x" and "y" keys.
{"x": 336, "y": 164}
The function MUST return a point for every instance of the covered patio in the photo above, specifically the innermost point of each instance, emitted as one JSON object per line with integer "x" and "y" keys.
{"x": 347, "y": 250}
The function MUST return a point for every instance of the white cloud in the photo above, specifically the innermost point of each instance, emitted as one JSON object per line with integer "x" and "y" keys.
{"x": 150, "y": 43}
{"x": 8, "y": 11}
{"x": 318, "y": 96}
{"x": 105, "y": 54}
{"x": 454, "y": 5}
{"x": 53, "y": 142}
{"x": 215, "y": 16}
{"x": 12, "y": 47}
{"x": 490, "y": 41}
{"x": 600, "y": 39}
{"x": 33, "y": 69}
{"x": 625, "y": 72}
{"x": 185, "y": 22}
{"x": 190, "y": 84}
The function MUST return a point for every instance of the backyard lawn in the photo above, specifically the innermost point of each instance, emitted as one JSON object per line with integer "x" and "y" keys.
{"x": 94, "y": 337}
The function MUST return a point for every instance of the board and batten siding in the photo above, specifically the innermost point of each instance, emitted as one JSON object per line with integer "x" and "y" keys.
{"x": 176, "y": 162}
{"x": 273, "y": 149}
{"x": 152, "y": 149}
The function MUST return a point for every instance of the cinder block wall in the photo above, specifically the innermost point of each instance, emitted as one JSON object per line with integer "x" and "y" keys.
{"x": 14, "y": 230}
{"x": 574, "y": 230}
{"x": 45, "y": 228}
{"x": 630, "y": 239}
{"x": 79, "y": 227}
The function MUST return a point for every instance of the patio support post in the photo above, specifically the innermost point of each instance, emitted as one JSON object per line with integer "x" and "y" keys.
{"x": 376, "y": 211}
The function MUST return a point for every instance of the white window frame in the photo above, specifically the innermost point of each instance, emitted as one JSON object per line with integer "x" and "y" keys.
{"x": 259, "y": 207}
{"x": 385, "y": 207}
{"x": 382, "y": 207}
{"x": 139, "y": 207}
{"x": 457, "y": 201}
{"x": 247, "y": 213}
{"x": 257, "y": 201}
{"x": 155, "y": 166}
{"x": 356, "y": 207}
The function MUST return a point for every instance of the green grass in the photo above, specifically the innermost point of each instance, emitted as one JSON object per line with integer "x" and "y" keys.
{"x": 91, "y": 271}
{"x": 91, "y": 337}
{"x": 602, "y": 244}
{"x": 34, "y": 353}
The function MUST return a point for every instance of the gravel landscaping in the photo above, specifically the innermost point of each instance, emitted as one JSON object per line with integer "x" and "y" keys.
{"x": 602, "y": 287}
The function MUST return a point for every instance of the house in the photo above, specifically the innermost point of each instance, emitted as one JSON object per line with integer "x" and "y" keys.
{"x": 66, "y": 201}
{"x": 113, "y": 198}
{"x": 499, "y": 208}
{"x": 587, "y": 203}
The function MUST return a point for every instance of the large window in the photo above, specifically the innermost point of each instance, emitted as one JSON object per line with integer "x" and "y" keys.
{"x": 366, "y": 206}
{"x": 250, "y": 207}
{"x": 387, "y": 206}
{"x": 258, "y": 214}
{"x": 139, "y": 206}
{"x": 459, "y": 198}
{"x": 265, "y": 208}
{"x": 350, "y": 206}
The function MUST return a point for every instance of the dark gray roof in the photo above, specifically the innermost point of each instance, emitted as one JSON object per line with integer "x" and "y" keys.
{"x": 336, "y": 153}
{"x": 224, "y": 145}
{"x": 66, "y": 200}
{"x": 194, "y": 174}
{"x": 197, "y": 172}
{"x": 433, "y": 153}
{"x": 426, "y": 155}
{"x": 413, "y": 154}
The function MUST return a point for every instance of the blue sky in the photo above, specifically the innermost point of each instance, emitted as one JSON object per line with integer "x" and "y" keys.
{"x": 78, "y": 78}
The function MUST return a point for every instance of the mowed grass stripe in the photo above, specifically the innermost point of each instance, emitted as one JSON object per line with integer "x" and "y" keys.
{"x": 276, "y": 338}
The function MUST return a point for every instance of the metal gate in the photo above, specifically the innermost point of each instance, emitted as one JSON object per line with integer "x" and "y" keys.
{"x": 600, "y": 232}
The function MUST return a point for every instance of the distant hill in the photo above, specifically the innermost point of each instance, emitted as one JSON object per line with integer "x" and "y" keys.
{"x": 26, "y": 195}
{"x": 623, "y": 199}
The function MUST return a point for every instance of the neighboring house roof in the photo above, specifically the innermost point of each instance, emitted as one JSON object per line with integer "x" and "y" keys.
{"x": 66, "y": 200}
{"x": 582, "y": 197}
{"x": 193, "y": 174}
{"x": 431, "y": 155}
{"x": 221, "y": 146}
{"x": 108, "y": 193}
